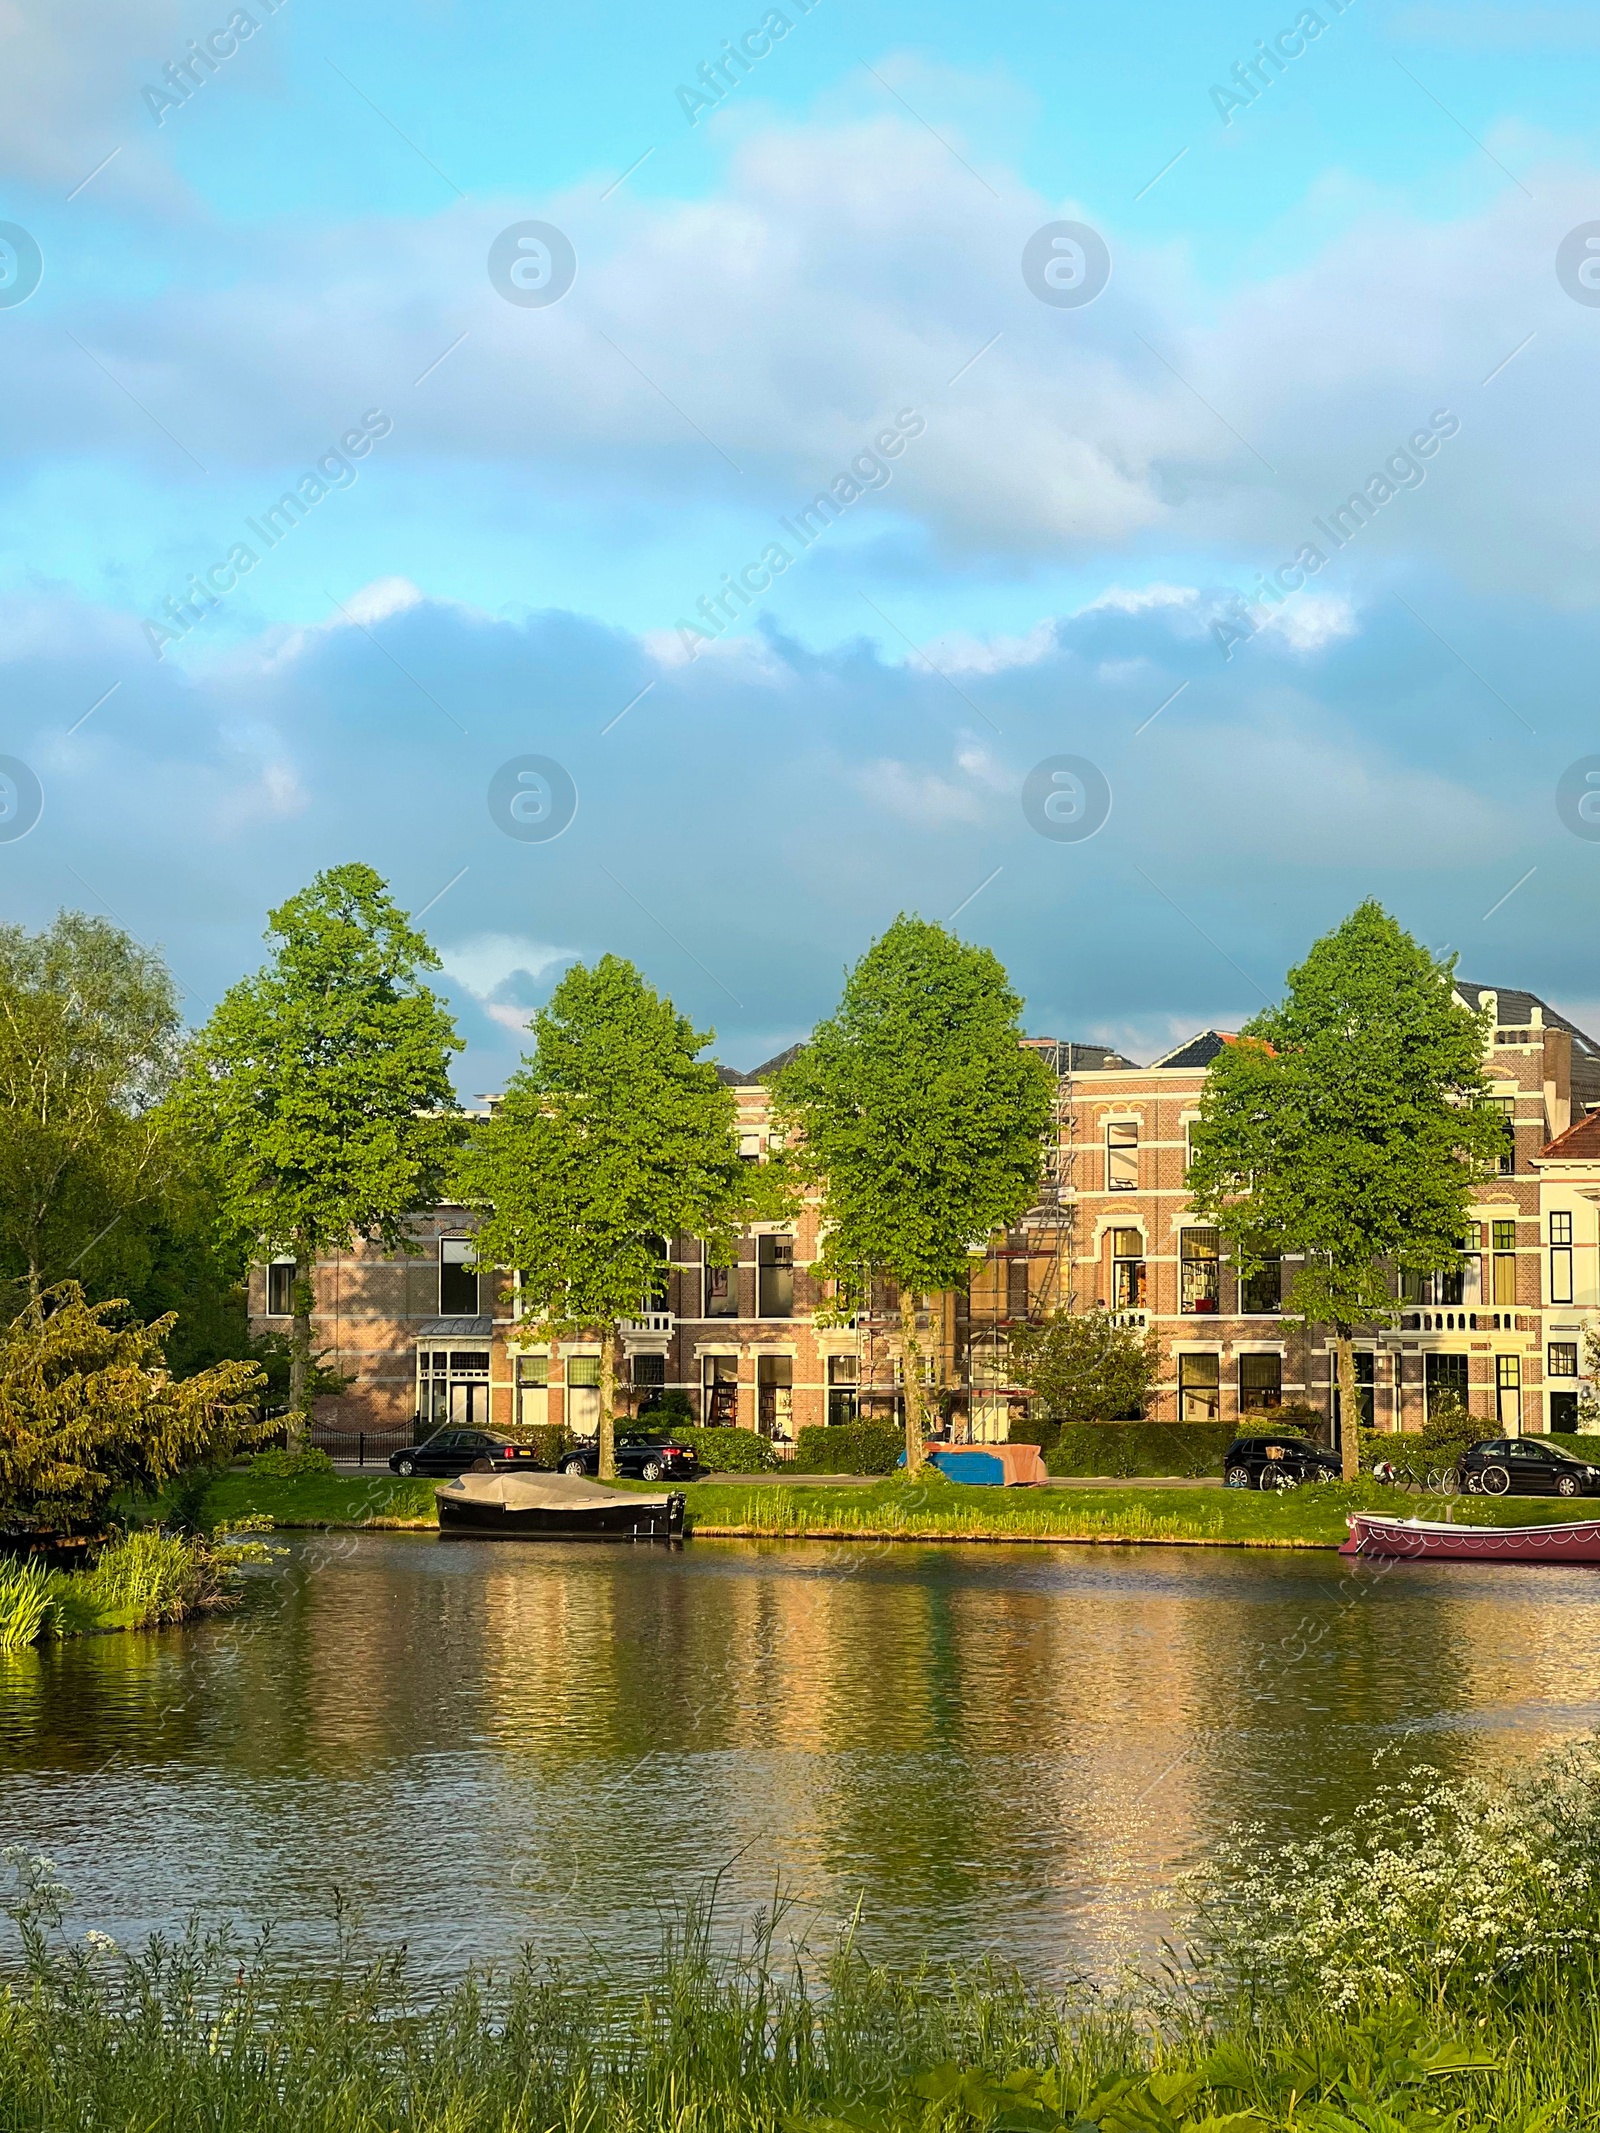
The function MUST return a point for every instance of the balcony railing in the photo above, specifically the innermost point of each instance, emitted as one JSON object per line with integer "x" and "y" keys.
{"x": 1138, "y": 1320}
{"x": 648, "y": 1322}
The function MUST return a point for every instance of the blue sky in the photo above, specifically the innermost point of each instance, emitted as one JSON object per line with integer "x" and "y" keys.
{"x": 1052, "y": 561}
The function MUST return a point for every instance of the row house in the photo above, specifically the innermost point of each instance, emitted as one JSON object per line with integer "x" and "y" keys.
{"x": 426, "y": 1340}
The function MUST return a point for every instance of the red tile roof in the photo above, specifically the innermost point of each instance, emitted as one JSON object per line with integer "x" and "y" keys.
{"x": 1581, "y": 1141}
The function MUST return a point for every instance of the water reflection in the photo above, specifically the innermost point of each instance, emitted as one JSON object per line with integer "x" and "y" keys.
{"x": 1003, "y": 1749}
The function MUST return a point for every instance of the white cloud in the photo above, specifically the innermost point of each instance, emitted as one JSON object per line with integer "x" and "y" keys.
{"x": 502, "y": 972}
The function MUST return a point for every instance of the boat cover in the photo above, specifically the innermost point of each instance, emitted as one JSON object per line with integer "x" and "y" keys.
{"x": 544, "y": 1492}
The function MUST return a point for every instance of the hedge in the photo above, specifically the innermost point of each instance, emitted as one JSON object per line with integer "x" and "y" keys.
{"x": 849, "y": 1448}
{"x": 1124, "y": 1448}
{"x": 727, "y": 1451}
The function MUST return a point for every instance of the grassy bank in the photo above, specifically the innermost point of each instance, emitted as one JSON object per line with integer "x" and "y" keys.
{"x": 1428, "y": 1966}
{"x": 145, "y": 1579}
{"x": 932, "y": 1509}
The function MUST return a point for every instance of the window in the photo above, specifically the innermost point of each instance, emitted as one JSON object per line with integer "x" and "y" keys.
{"x": 844, "y": 1404}
{"x": 720, "y": 1391}
{"x": 658, "y": 1296}
{"x": 1199, "y": 1270}
{"x": 1508, "y": 1391}
{"x": 1262, "y": 1290}
{"x": 1507, "y": 1107}
{"x": 750, "y": 1147}
{"x": 458, "y": 1282}
{"x": 1410, "y": 1285}
{"x": 1562, "y": 1359}
{"x": 1561, "y": 1259}
{"x": 1365, "y": 1364}
{"x": 1189, "y": 1126}
{"x": 583, "y": 1394}
{"x": 649, "y": 1374}
{"x": 1443, "y": 1374}
{"x": 1199, "y": 1393}
{"x": 775, "y": 1277}
{"x": 722, "y": 1292}
{"x": 1127, "y": 1270}
{"x": 1122, "y": 1155}
{"x": 1505, "y": 1262}
{"x": 1260, "y": 1383}
{"x": 1564, "y": 1412}
{"x": 1016, "y": 1288}
{"x": 775, "y": 1396}
{"x": 533, "y": 1391}
{"x": 280, "y": 1289}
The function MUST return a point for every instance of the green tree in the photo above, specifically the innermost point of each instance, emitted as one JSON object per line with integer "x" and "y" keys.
{"x": 610, "y": 1137}
{"x": 89, "y": 1047}
{"x": 1349, "y": 1124}
{"x": 322, "y": 1085}
{"x": 88, "y": 1408}
{"x": 1084, "y": 1367}
{"x": 922, "y": 1123}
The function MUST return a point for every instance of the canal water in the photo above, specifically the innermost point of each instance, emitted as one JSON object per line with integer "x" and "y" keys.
{"x": 999, "y": 1751}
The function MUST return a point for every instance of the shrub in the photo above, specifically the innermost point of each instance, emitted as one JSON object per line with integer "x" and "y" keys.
{"x": 281, "y": 1465}
{"x": 850, "y": 1448}
{"x": 1124, "y": 1448}
{"x": 730, "y": 1451}
{"x": 548, "y": 1440}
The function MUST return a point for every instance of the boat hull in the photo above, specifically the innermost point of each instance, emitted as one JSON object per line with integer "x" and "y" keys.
{"x": 601, "y": 1522}
{"x": 1577, "y": 1541}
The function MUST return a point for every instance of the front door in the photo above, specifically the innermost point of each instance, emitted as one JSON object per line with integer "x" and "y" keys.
{"x": 469, "y": 1404}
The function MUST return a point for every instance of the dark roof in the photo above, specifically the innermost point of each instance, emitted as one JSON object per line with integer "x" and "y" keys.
{"x": 456, "y": 1329}
{"x": 1514, "y": 1010}
{"x": 1196, "y": 1051}
{"x": 1071, "y": 1057}
{"x": 769, "y": 1069}
{"x": 1581, "y": 1139}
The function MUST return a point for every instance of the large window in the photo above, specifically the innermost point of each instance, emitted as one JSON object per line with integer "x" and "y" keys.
{"x": 1507, "y": 1107}
{"x": 1508, "y": 1393}
{"x": 1260, "y": 1383}
{"x": 1127, "y": 1270}
{"x": 458, "y": 1282}
{"x": 1122, "y": 1155}
{"x": 722, "y": 1292}
{"x": 1199, "y": 1388}
{"x": 533, "y": 1391}
{"x": 775, "y": 1277}
{"x": 775, "y": 1396}
{"x": 1562, "y": 1359}
{"x": 1505, "y": 1262}
{"x": 1016, "y": 1288}
{"x": 280, "y": 1288}
{"x": 453, "y": 1387}
{"x": 649, "y": 1373}
{"x": 1441, "y": 1375}
{"x": 720, "y": 1391}
{"x": 1561, "y": 1259}
{"x": 1261, "y": 1290}
{"x": 583, "y": 1395}
{"x": 844, "y": 1403}
{"x": 1199, "y": 1270}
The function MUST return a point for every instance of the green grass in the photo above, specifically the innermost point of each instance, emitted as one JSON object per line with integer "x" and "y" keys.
{"x": 146, "y": 1578}
{"x": 932, "y": 1509}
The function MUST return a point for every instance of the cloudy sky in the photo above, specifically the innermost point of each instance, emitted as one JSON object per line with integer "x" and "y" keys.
{"x": 1085, "y": 331}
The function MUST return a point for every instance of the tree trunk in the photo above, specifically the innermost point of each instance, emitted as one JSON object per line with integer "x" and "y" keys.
{"x": 1349, "y": 1405}
{"x": 608, "y": 1395}
{"x": 911, "y": 1380}
{"x": 300, "y": 1348}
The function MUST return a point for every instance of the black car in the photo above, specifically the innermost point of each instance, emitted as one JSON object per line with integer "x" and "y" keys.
{"x": 1525, "y": 1466}
{"x": 642, "y": 1455}
{"x": 1279, "y": 1461}
{"x": 452, "y": 1451}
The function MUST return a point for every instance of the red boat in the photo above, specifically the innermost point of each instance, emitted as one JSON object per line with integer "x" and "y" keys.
{"x": 1577, "y": 1541}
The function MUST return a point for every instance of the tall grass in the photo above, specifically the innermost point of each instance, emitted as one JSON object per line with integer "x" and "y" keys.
{"x": 1245, "y": 2034}
{"x": 24, "y": 1604}
{"x": 145, "y": 1578}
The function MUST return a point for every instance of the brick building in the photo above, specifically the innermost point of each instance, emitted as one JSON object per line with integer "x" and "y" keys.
{"x": 427, "y": 1336}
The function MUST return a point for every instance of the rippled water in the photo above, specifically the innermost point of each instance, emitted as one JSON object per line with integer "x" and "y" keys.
{"x": 994, "y": 1749}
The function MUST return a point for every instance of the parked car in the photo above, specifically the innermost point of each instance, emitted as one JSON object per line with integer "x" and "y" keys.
{"x": 1278, "y": 1461}
{"x": 642, "y": 1455}
{"x": 452, "y": 1451}
{"x": 1525, "y": 1466}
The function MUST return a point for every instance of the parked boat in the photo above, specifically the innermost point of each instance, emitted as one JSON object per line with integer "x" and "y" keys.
{"x": 1577, "y": 1541}
{"x": 554, "y": 1507}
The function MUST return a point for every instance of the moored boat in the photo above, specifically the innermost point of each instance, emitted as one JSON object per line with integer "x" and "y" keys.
{"x": 1572, "y": 1541}
{"x": 554, "y": 1507}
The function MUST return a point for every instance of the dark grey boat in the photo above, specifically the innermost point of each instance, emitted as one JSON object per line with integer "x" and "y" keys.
{"x": 554, "y": 1507}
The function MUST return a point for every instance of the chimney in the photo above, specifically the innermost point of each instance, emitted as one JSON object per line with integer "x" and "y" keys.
{"x": 1557, "y": 1078}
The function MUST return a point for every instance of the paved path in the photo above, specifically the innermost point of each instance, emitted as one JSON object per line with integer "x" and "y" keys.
{"x": 782, "y": 1479}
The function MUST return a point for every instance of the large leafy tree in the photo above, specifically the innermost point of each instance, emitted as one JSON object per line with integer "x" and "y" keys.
{"x": 89, "y": 1046}
{"x": 610, "y": 1137}
{"x": 1084, "y": 1367}
{"x": 88, "y": 1408}
{"x": 922, "y": 1122}
{"x": 322, "y": 1085}
{"x": 1349, "y": 1124}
